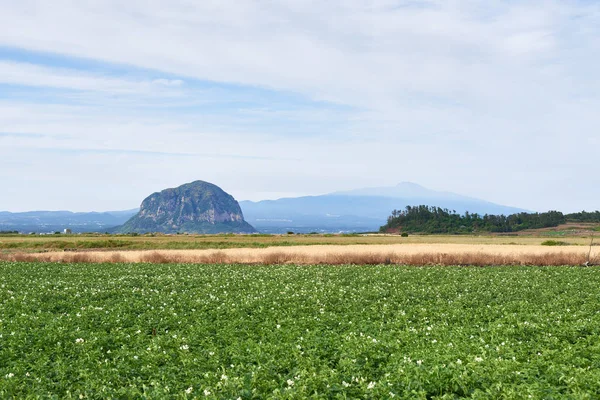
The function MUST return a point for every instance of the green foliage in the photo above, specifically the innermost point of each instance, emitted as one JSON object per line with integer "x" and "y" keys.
{"x": 291, "y": 332}
{"x": 427, "y": 219}
{"x": 555, "y": 243}
{"x": 404, "y": 234}
{"x": 584, "y": 216}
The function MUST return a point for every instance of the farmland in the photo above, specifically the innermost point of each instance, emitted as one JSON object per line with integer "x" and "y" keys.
{"x": 286, "y": 331}
{"x": 305, "y": 249}
{"x": 11, "y": 243}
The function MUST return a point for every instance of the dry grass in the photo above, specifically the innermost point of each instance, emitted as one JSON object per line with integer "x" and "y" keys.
{"x": 413, "y": 254}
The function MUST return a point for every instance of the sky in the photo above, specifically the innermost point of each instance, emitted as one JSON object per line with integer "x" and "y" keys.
{"x": 105, "y": 102}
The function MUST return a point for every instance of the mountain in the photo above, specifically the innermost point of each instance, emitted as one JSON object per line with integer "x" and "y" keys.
{"x": 197, "y": 207}
{"x": 357, "y": 210}
{"x": 52, "y": 221}
{"x": 404, "y": 190}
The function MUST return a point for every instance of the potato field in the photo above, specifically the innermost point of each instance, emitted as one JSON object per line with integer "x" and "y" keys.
{"x": 293, "y": 332}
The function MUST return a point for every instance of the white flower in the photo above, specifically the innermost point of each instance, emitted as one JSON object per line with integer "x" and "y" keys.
{"x": 278, "y": 326}
{"x": 189, "y": 390}
{"x": 212, "y": 353}
{"x": 290, "y": 382}
{"x": 224, "y": 377}
{"x": 419, "y": 362}
{"x": 345, "y": 384}
{"x": 79, "y": 340}
{"x": 374, "y": 340}
{"x": 459, "y": 361}
{"x": 478, "y": 359}
{"x": 10, "y": 375}
{"x": 206, "y": 392}
{"x": 135, "y": 357}
{"x": 371, "y": 385}
{"x": 138, "y": 331}
{"x": 184, "y": 347}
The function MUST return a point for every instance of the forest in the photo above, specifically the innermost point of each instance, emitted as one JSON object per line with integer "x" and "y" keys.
{"x": 427, "y": 219}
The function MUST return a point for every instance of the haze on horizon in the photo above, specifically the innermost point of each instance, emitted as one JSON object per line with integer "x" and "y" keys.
{"x": 103, "y": 103}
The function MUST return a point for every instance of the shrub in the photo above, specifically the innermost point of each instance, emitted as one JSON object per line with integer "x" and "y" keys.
{"x": 554, "y": 243}
{"x": 404, "y": 234}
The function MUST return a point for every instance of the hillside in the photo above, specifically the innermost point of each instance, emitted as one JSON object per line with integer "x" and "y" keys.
{"x": 197, "y": 207}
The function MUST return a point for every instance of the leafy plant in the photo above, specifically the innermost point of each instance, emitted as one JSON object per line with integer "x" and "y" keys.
{"x": 555, "y": 243}
{"x": 287, "y": 331}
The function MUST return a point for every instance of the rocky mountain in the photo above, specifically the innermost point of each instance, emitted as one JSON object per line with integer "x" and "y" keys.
{"x": 357, "y": 210}
{"x": 197, "y": 207}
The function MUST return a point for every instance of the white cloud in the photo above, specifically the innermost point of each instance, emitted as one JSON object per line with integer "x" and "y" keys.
{"x": 168, "y": 82}
{"x": 489, "y": 98}
{"x": 27, "y": 74}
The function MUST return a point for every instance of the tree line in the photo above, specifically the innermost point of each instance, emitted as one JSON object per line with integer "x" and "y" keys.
{"x": 426, "y": 219}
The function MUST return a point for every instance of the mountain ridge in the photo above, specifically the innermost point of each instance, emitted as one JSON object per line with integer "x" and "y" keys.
{"x": 363, "y": 209}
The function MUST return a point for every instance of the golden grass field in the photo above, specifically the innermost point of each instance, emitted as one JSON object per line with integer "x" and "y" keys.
{"x": 303, "y": 249}
{"x": 481, "y": 254}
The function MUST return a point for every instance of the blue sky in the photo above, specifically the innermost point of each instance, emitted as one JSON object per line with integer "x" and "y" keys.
{"x": 103, "y": 103}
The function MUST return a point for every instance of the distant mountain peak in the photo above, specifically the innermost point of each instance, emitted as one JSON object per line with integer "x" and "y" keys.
{"x": 410, "y": 184}
{"x": 357, "y": 210}
{"x": 401, "y": 190}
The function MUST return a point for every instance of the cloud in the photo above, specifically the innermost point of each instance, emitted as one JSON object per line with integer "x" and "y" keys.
{"x": 491, "y": 99}
{"x": 20, "y": 135}
{"x": 168, "y": 82}
{"x": 26, "y": 74}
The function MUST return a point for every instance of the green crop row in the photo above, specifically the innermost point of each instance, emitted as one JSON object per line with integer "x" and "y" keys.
{"x": 295, "y": 332}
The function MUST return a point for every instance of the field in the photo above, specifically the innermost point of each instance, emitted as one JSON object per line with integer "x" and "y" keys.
{"x": 287, "y": 331}
{"x": 304, "y": 249}
{"x": 11, "y": 243}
